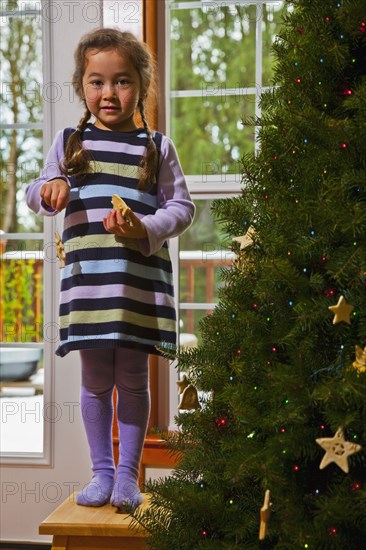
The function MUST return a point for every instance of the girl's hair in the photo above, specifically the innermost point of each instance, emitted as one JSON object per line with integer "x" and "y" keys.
{"x": 76, "y": 159}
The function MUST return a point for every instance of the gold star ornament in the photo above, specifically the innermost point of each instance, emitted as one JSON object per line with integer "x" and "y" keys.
{"x": 246, "y": 240}
{"x": 337, "y": 450}
{"x": 342, "y": 311}
{"x": 265, "y": 515}
{"x": 60, "y": 250}
{"x": 360, "y": 362}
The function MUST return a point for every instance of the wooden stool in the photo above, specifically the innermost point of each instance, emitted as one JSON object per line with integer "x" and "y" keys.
{"x": 83, "y": 527}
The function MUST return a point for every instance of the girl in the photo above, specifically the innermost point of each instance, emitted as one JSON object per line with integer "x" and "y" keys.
{"x": 116, "y": 301}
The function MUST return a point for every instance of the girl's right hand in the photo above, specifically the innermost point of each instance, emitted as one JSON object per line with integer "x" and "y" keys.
{"x": 55, "y": 193}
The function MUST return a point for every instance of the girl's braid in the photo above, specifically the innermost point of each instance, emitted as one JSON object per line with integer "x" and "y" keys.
{"x": 149, "y": 163}
{"x": 76, "y": 159}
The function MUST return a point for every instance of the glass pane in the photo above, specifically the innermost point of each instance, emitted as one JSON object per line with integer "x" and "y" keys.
{"x": 21, "y": 160}
{"x": 272, "y": 17}
{"x": 203, "y": 42}
{"x": 22, "y": 405}
{"x": 213, "y": 125}
{"x": 20, "y": 64}
{"x": 21, "y": 300}
{"x": 203, "y": 253}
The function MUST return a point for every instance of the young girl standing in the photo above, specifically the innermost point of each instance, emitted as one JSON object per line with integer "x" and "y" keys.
{"x": 116, "y": 301}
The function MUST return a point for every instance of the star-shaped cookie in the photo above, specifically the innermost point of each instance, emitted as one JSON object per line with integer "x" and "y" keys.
{"x": 342, "y": 311}
{"x": 246, "y": 240}
{"x": 337, "y": 450}
{"x": 360, "y": 361}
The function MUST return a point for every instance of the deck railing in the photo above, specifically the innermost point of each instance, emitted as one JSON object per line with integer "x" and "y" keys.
{"x": 21, "y": 299}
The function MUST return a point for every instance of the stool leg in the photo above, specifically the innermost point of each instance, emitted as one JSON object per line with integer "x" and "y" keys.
{"x": 59, "y": 542}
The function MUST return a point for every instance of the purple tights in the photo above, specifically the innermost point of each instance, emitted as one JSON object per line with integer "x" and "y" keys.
{"x": 101, "y": 370}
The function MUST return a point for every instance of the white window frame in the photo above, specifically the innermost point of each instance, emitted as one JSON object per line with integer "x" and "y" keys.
{"x": 45, "y": 457}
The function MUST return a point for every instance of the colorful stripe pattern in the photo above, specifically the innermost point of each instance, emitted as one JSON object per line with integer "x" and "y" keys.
{"x": 111, "y": 294}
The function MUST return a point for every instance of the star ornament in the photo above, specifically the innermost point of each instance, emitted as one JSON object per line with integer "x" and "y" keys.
{"x": 246, "y": 240}
{"x": 337, "y": 450}
{"x": 60, "y": 250}
{"x": 342, "y": 311}
{"x": 360, "y": 362}
{"x": 265, "y": 514}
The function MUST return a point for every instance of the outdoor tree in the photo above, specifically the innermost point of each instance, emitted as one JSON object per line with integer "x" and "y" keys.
{"x": 271, "y": 436}
{"x": 21, "y": 105}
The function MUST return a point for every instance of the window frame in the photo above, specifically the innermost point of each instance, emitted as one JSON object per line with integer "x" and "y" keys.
{"x": 44, "y": 458}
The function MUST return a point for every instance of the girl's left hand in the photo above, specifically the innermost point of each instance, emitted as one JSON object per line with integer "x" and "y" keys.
{"x": 116, "y": 224}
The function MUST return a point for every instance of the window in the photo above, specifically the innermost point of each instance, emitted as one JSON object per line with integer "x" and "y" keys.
{"x": 22, "y": 235}
{"x": 220, "y": 63}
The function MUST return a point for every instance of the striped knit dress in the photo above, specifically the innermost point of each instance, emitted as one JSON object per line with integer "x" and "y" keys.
{"x": 118, "y": 292}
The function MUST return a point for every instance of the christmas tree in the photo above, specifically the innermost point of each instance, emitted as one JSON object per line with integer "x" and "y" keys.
{"x": 273, "y": 453}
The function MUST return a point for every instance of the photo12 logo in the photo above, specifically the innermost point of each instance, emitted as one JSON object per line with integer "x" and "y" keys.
{"x": 91, "y": 11}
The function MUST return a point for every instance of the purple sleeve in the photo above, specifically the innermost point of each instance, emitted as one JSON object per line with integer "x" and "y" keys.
{"x": 50, "y": 171}
{"x": 175, "y": 207}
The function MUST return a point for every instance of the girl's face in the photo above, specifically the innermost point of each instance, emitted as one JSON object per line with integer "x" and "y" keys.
{"x": 111, "y": 89}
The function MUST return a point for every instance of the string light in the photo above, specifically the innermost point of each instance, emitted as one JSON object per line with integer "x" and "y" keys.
{"x": 296, "y": 468}
{"x": 220, "y": 422}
